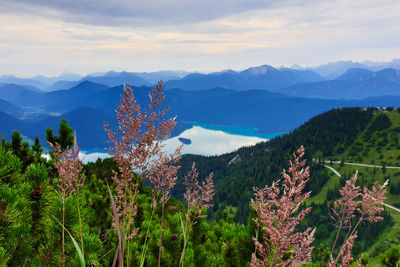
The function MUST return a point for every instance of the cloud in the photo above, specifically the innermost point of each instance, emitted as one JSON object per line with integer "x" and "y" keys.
{"x": 49, "y": 37}
{"x": 133, "y": 13}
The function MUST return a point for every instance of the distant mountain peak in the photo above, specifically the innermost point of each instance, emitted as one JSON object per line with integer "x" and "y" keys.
{"x": 222, "y": 72}
{"x": 113, "y": 73}
{"x": 297, "y": 67}
{"x": 260, "y": 70}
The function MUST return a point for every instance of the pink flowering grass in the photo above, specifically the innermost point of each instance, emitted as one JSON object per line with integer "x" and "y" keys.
{"x": 71, "y": 180}
{"x": 69, "y": 169}
{"x": 198, "y": 198}
{"x": 278, "y": 215}
{"x": 353, "y": 208}
{"x": 137, "y": 147}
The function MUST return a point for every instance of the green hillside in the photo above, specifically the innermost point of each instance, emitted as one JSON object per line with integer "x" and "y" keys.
{"x": 337, "y": 143}
{"x": 365, "y": 136}
{"x": 261, "y": 164}
{"x": 377, "y": 146}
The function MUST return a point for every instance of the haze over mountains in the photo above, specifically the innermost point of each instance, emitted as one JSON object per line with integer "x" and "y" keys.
{"x": 269, "y": 99}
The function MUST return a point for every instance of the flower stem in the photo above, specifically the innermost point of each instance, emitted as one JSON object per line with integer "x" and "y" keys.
{"x": 144, "y": 251}
{"x": 160, "y": 247}
{"x": 80, "y": 225}
{"x": 63, "y": 248}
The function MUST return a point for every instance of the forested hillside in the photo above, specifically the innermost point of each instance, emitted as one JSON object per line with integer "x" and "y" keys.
{"x": 238, "y": 172}
{"x": 104, "y": 214}
{"x": 366, "y": 136}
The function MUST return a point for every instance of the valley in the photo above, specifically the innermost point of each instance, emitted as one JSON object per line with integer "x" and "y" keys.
{"x": 245, "y": 138}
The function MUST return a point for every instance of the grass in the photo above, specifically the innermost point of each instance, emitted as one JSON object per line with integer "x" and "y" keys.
{"x": 394, "y": 116}
{"x": 391, "y": 235}
{"x": 321, "y": 196}
{"x": 380, "y": 147}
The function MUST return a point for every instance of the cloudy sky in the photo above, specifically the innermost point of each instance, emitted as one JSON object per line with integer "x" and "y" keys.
{"x": 82, "y": 36}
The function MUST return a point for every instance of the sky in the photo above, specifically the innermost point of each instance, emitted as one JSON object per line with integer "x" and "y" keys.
{"x": 49, "y": 37}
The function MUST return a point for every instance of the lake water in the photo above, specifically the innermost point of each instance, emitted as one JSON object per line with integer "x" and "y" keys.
{"x": 236, "y": 130}
{"x": 206, "y": 139}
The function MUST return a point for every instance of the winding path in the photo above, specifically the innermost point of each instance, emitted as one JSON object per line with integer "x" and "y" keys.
{"x": 365, "y": 165}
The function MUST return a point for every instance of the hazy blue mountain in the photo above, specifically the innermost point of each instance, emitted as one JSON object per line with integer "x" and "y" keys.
{"x": 356, "y": 75}
{"x": 9, "y": 123}
{"x": 87, "y": 122}
{"x": 333, "y": 70}
{"x": 154, "y": 77}
{"x": 381, "y": 101}
{"x": 355, "y": 83}
{"x": 392, "y": 75}
{"x": 376, "y": 66}
{"x": 41, "y": 82}
{"x": 363, "y": 75}
{"x": 89, "y": 125}
{"x": 10, "y": 109}
{"x": 19, "y": 95}
{"x": 47, "y": 81}
{"x": 110, "y": 79}
{"x": 79, "y": 95}
{"x": 113, "y": 78}
{"x": 339, "y": 89}
{"x": 62, "y": 85}
{"x": 88, "y": 105}
{"x": 263, "y": 77}
{"x": 9, "y": 79}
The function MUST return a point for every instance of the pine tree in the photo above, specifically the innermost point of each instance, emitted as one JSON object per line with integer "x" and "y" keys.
{"x": 65, "y": 138}
{"x": 37, "y": 149}
{"x": 16, "y": 143}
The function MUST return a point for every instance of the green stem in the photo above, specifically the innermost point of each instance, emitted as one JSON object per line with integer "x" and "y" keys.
{"x": 128, "y": 253}
{"x": 80, "y": 225}
{"x": 144, "y": 251}
{"x": 185, "y": 240}
{"x": 63, "y": 248}
{"x": 337, "y": 235}
{"x": 272, "y": 262}
{"x": 132, "y": 201}
{"x": 160, "y": 247}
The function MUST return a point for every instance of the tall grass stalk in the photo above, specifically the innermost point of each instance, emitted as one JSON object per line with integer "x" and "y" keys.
{"x": 80, "y": 224}
{"x": 116, "y": 219}
{"x": 162, "y": 224}
{"x": 144, "y": 250}
{"x": 63, "y": 239}
{"x": 77, "y": 248}
{"x": 185, "y": 232}
{"x": 198, "y": 197}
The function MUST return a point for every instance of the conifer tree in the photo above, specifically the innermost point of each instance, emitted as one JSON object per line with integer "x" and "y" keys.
{"x": 16, "y": 143}
{"x": 65, "y": 138}
{"x": 37, "y": 149}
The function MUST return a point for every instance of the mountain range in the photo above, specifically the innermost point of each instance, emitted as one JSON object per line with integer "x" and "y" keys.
{"x": 333, "y": 70}
{"x": 263, "y": 77}
{"x": 67, "y": 80}
{"x": 88, "y": 105}
{"x": 268, "y": 99}
{"x": 111, "y": 78}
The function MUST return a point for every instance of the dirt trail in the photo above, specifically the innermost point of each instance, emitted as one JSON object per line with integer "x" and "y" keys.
{"x": 356, "y": 164}
{"x": 363, "y": 165}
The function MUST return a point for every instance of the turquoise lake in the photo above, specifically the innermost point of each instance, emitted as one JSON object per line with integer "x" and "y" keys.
{"x": 205, "y": 139}
{"x": 238, "y": 130}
